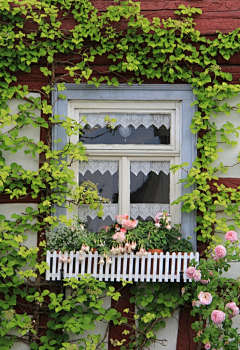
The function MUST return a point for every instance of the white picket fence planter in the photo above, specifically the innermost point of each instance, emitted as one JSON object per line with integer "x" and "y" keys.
{"x": 131, "y": 267}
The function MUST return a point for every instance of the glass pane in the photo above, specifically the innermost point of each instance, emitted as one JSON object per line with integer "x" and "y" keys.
{"x": 127, "y": 135}
{"x": 150, "y": 188}
{"x": 107, "y": 184}
{"x": 106, "y": 179}
{"x": 93, "y": 223}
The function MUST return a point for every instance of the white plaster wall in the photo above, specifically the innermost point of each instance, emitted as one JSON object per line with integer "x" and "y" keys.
{"x": 26, "y": 160}
{"x": 20, "y": 345}
{"x": 169, "y": 333}
{"x": 100, "y": 326}
{"x": 229, "y": 155}
{"x": 229, "y": 158}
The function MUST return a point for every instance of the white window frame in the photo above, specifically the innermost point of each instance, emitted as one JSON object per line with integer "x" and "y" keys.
{"x": 182, "y": 150}
{"x": 126, "y": 153}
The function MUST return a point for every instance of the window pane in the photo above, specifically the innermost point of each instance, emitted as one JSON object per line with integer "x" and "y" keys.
{"x": 126, "y": 136}
{"x": 105, "y": 175}
{"x": 92, "y": 222}
{"x": 149, "y": 186}
{"x": 130, "y": 128}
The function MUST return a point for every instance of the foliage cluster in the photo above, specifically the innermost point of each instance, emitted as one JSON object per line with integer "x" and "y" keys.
{"x": 63, "y": 40}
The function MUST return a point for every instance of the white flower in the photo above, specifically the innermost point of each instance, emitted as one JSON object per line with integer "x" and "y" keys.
{"x": 101, "y": 262}
{"x": 108, "y": 260}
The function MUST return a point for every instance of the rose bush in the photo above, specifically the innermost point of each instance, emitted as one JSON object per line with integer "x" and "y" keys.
{"x": 214, "y": 297}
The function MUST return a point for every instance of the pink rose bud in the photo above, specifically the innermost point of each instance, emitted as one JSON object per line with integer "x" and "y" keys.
{"x": 123, "y": 230}
{"x": 196, "y": 303}
{"x": 207, "y": 345}
{"x": 231, "y": 236}
{"x": 218, "y": 316}
{"x": 220, "y": 251}
{"x": 205, "y": 281}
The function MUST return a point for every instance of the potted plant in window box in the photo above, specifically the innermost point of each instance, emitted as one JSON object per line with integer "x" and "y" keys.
{"x": 149, "y": 237}
{"x": 68, "y": 238}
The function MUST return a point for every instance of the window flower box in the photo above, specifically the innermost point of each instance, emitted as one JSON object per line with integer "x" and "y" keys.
{"x": 163, "y": 267}
{"x": 123, "y": 251}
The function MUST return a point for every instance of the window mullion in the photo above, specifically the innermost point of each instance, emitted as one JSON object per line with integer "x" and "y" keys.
{"x": 124, "y": 186}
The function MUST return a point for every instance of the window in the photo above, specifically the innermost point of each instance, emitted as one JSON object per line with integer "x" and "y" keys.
{"x": 131, "y": 163}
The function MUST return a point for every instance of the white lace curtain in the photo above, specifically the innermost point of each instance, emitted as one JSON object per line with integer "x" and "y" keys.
{"x": 125, "y": 119}
{"x": 142, "y": 209}
{"x": 112, "y": 166}
{"x": 146, "y": 166}
{"x": 136, "y": 210}
{"x": 109, "y": 210}
{"x": 98, "y": 165}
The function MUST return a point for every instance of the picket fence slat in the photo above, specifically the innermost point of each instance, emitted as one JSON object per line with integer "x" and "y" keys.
{"x": 156, "y": 268}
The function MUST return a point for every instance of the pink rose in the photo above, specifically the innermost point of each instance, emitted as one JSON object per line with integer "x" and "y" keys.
{"x": 197, "y": 275}
{"x": 190, "y": 271}
{"x": 130, "y": 224}
{"x": 231, "y": 236}
{"x": 205, "y": 298}
{"x": 233, "y": 307}
{"x": 121, "y": 218}
{"x": 119, "y": 237}
{"x": 218, "y": 316}
{"x": 220, "y": 251}
{"x": 207, "y": 345}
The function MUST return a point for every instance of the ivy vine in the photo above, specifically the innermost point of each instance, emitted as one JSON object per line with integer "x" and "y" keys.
{"x": 66, "y": 41}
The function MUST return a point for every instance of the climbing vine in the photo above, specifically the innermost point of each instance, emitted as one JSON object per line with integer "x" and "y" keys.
{"x": 63, "y": 41}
